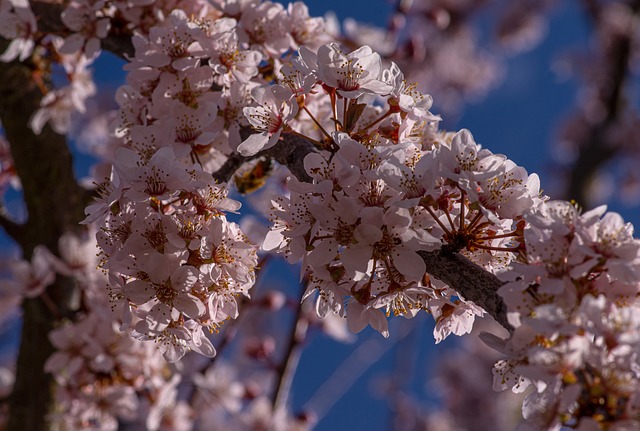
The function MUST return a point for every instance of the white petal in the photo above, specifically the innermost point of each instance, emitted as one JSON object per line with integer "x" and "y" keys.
{"x": 253, "y": 144}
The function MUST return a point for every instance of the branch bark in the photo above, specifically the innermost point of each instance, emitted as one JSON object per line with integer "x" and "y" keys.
{"x": 55, "y": 204}
{"x": 289, "y": 152}
{"x": 470, "y": 280}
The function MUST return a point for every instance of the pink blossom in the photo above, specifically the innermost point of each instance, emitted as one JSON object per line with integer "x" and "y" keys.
{"x": 268, "y": 118}
{"x": 17, "y": 24}
{"x": 303, "y": 29}
{"x": 264, "y": 28}
{"x": 89, "y": 23}
{"x": 352, "y": 74}
{"x": 360, "y": 316}
{"x": 30, "y": 279}
{"x": 466, "y": 162}
{"x": 229, "y": 60}
{"x": 159, "y": 177}
{"x": 453, "y": 317}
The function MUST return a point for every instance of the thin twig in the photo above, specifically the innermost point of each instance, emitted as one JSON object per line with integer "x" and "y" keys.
{"x": 289, "y": 364}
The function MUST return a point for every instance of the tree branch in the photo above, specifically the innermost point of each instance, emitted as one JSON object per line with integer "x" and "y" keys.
{"x": 13, "y": 229}
{"x": 287, "y": 368}
{"x": 289, "y": 151}
{"x": 595, "y": 151}
{"x": 48, "y": 13}
{"x": 55, "y": 204}
{"x": 472, "y": 281}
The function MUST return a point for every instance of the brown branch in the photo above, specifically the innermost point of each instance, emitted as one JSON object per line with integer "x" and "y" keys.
{"x": 289, "y": 364}
{"x": 55, "y": 204}
{"x": 290, "y": 151}
{"x": 595, "y": 152}
{"x": 11, "y": 228}
{"x": 470, "y": 280}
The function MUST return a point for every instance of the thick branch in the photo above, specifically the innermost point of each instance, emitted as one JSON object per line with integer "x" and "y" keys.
{"x": 470, "y": 280}
{"x": 55, "y": 204}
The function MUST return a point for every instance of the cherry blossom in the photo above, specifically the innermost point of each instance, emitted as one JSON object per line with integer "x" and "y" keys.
{"x": 99, "y": 371}
{"x": 30, "y": 279}
{"x": 58, "y": 106}
{"x": 80, "y": 17}
{"x": 18, "y": 24}
{"x": 268, "y": 118}
{"x": 229, "y": 61}
{"x": 351, "y": 74}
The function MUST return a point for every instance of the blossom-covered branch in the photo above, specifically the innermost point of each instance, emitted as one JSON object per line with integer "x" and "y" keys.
{"x": 472, "y": 281}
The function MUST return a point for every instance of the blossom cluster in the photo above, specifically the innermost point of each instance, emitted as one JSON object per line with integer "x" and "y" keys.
{"x": 436, "y": 45}
{"x": 175, "y": 263}
{"x": 101, "y": 374}
{"x": 106, "y": 378}
{"x": 245, "y": 34}
{"x": 18, "y": 24}
{"x": 385, "y": 184}
{"x": 573, "y": 303}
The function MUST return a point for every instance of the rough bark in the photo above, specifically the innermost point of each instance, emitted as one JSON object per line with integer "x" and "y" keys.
{"x": 470, "y": 280}
{"x": 55, "y": 203}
